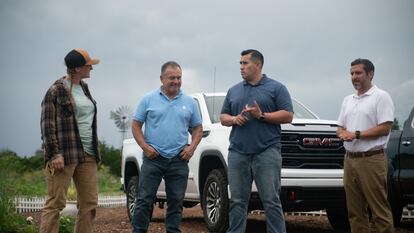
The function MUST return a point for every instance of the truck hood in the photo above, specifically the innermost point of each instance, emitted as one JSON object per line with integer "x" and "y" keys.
{"x": 296, "y": 121}
{"x": 311, "y": 125}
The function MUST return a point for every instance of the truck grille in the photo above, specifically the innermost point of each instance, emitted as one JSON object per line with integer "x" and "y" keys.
{"x": 316, "y": 150}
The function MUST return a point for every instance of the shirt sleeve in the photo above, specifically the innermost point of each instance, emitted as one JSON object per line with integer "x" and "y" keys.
{"x": 48, "y": 125}
{"x": 141, "y": 111}
{"x": 195, "y": 117}
{"x": 283, "y": 100}
{"x": 341, "y": 117}
{"x": 226, "y": 109}
{"x": 385, "y": 109}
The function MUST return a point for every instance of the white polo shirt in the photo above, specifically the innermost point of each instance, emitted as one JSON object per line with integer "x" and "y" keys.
{"x": 364, "y": 112}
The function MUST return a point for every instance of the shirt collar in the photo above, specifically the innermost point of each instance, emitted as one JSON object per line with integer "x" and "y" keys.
{"x": 261, "y": 81}
{"x": 180, "y": 93}
{"x": 369, "y": 92}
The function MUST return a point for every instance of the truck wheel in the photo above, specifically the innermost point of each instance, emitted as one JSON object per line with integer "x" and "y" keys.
{"x": 395, "y": 203}
{"x": 216, "y": 201}
{"x": 131, "y": 194}
{"x": 338, "y": 218}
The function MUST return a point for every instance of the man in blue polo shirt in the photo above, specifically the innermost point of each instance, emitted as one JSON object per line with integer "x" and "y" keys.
{"x": 167, "y": 114}
{"x": 255, "y": 108}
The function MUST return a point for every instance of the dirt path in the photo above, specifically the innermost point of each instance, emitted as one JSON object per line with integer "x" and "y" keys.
{"x": 116, "y": 220}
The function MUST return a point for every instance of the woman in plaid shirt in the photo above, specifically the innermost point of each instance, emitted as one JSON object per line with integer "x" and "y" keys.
{"x": 70, "y": 143}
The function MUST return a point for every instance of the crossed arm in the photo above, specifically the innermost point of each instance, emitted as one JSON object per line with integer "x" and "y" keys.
{"x": 382, "y": 129}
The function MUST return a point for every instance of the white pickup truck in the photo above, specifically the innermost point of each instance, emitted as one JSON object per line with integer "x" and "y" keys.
{"x": 312, "y": 168}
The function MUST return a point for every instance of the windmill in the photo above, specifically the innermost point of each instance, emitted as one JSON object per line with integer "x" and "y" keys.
{"x": 122, "y": 118}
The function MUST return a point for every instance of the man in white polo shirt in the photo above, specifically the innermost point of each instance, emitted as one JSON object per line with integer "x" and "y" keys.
{"x": 364, "y": 124}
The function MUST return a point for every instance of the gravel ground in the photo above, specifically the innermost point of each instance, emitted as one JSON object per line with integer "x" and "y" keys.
{"x": 116, "y": 220}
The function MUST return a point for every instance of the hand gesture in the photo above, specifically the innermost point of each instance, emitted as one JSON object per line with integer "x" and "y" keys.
{"x": 254, "y": 111}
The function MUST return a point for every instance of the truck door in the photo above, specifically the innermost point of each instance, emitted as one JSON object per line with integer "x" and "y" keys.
{"x": 407, "y": 157}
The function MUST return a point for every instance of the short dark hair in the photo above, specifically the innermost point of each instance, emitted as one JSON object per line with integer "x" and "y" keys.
{"x": 368, "y": 66}
{"x": 256, "y": 55}
{"x": 169, "y": 64}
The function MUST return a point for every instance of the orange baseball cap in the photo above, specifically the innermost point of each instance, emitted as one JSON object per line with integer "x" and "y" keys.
{"x": 78, "y": 58}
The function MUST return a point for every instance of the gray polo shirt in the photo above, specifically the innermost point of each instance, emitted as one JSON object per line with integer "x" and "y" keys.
{"x": 256, "y": 136}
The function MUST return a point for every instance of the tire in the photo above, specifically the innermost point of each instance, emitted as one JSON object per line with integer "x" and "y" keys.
{"x": 215, "y": 201}
{"x": 338, "y": 218}
{"x": 131, "y": 195}
{"x": 395, "y": 203}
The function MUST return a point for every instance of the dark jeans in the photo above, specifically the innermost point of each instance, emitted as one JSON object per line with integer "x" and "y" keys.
{"x": 175, "y": 174}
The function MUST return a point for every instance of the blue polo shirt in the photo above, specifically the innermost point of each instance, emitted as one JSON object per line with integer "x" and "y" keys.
{"x": 256, "y": 136}
{"x": 167, "y": 121}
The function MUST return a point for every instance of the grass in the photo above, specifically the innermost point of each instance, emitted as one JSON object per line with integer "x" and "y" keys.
{"x": 25, "y": 177}
{"x": 28, "y": 184}
{"x": 10, "y": 220}
{"x": 32, "y": 183}
{"x": 108, "y": 183}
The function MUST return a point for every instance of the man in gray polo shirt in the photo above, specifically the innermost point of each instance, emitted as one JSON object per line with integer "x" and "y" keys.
{"x": 255, "y": 108}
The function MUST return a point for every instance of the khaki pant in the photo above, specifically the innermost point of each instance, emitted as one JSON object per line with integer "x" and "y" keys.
{"x": 365, "y": 182}
{"x": 85, "y": 177}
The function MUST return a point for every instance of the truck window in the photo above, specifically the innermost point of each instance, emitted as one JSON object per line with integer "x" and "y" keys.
{"x": 198, "y": 108}
{"x": 214, "y": 105}
{"x": 301, "y": 112}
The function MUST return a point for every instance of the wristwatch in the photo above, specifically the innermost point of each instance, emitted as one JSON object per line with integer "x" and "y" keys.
{"x": 262, "y": 116}
{"x": 357, "y": 134}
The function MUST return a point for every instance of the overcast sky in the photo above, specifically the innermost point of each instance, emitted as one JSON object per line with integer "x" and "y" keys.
{"x": 307, "y": 45}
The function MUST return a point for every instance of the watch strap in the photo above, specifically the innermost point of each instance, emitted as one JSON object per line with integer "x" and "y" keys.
{"x": 357, "y": 134}
{"x": 262, "y": 116}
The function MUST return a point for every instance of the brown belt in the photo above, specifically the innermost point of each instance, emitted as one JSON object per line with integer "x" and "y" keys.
{"x": 363, "y": 154}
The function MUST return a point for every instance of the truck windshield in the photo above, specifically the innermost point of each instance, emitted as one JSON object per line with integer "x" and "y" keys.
{"x": 214, "y": 104}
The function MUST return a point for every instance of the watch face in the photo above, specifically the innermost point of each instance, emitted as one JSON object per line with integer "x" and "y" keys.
{"x": 261, "y": 117}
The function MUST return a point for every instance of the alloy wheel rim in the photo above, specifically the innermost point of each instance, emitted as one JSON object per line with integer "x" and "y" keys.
{"x": 213, "y": 202}
{"x": 132, "y": 200}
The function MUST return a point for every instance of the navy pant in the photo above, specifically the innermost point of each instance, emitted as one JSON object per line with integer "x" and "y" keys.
{"x": 175, "y": 174}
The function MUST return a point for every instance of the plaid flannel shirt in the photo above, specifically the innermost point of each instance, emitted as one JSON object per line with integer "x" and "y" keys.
{"x": 60, "y": 133}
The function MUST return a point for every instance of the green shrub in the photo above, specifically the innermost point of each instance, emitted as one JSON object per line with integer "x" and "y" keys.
{"x": 10, "y": 220}
{"x": 27, "y": 175}
{"x": 108, "y": 183}
{"x": 111, "y": 158}
{"x": 10, "y": 161}
{"x": 34, "y": 163}
{"x": 67, "y": 224}
{"x": 31, "y": 183}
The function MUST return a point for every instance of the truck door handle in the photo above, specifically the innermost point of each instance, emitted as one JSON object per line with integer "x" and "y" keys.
{"x": 406, "y": 143}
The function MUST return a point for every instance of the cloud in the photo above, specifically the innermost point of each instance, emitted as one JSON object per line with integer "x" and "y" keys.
{"x": 307, "y": 46}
